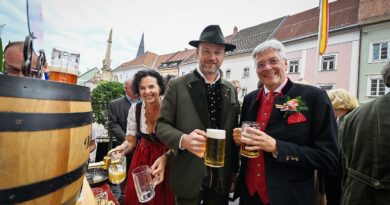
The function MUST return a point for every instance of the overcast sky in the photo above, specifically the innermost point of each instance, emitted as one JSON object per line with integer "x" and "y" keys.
{"x": 83, "y": 26}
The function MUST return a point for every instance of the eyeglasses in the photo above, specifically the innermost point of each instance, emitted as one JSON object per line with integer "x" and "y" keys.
{"x": 272, "y": 62}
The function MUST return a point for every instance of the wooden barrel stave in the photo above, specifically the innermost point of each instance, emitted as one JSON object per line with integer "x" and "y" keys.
{"x": 34, "y": 157}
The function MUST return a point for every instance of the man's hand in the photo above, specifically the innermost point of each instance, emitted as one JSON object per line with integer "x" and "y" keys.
{"x": 195, "y": 142}
{"x": 258, "y": 140}
{"x": 237, "y": 135}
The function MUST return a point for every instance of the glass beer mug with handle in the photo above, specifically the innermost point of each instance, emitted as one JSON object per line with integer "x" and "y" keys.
{"x": 214, "y": 155}
{"x": 243, "y": 151}
{"x": 117, "y": 169}
{"x": 144, "y": 185}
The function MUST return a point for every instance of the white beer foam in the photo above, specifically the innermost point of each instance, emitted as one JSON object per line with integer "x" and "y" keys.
{"x": 216, "y": 134}
{"x": 69, "y": 70}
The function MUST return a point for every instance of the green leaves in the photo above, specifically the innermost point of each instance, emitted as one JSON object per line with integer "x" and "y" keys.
{"x": 101, "y": 96}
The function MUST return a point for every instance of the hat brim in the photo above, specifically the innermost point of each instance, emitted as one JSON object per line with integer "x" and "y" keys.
{"x": 228, "y": 46}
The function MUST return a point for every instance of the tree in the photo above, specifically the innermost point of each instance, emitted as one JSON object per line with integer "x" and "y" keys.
{"x": 101, "y": 96}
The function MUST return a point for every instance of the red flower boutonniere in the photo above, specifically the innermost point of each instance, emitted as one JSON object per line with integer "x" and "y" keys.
{"x": 293, "y": 108}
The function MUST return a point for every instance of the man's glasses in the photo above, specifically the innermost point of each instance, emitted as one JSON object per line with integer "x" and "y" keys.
{"x": 272, "y": 62}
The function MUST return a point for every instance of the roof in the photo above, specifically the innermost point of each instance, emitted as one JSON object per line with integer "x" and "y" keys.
{"x": 163, "y": 58}
{"x": 372, "y": 11}
{"x": 148, "y": 60}
{"x": 181, "y": 55}
{"x": 342, "y": 14}
{"x": 247, "y": 39}
{"x": 88, "y": 75}
{"x": 190, "y": 58}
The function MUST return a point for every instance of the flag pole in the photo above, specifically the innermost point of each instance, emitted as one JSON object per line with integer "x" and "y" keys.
{"x": 323, "y": 25}
{"x": 318, "y": 59}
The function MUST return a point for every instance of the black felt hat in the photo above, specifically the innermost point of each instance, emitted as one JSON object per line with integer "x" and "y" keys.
{"x": 212, "y": 34}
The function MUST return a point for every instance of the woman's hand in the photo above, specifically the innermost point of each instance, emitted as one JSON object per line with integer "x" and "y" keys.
{"x": 120, "y": 150}
{"x": 158, "y": 169}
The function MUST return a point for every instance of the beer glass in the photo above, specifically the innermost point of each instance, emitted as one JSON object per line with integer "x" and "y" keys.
{"x": 243, "y": 151}
{"x": 101, "y": 197}
{"x": 143, "y": 183}
{"x": 214, "y": 155}
{"x": 64, "y": 66}
{"x": 117, "y": 171}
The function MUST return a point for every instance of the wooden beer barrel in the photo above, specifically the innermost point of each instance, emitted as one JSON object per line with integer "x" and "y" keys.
{"x": 44, "y": 133}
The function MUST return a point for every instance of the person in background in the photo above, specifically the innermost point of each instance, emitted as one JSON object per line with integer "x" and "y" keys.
{"x": 330, "y": 183}
{"x": 194, "y": 102}
{"x": 297, "y": 135}
{"x": 237, "y": 85}
{"x": 342, "y": 102}
{"x": 118, "y": 111}
{"x": 365, "y": 144}
{"x": 167, "y": 78}
{"x": 141, "y": 131}
{"x": 13, "y": 59}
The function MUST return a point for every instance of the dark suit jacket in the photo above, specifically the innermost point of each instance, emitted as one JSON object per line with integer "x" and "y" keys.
{"x": 118, "y": 110}
{"x": 184, "y": 108}
{"x": 365, "y": 145}
{"x": 302, "y": 147}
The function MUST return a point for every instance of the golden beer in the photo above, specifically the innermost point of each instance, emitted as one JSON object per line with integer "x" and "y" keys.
{"x": 116, "y": 177}
{"x": 243, "y": 151}
{"x": 214, "y": 155}
{"x": 63, "y": 77}
{"x": 117, "y": 171}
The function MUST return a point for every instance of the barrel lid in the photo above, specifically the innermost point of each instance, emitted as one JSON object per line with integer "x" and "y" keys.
{"x": 24, "y": 87}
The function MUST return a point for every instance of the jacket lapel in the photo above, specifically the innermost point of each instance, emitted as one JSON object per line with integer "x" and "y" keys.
{"x": 198, "y": 96}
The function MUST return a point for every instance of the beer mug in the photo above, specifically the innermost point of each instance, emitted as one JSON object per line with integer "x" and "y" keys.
{"x": 243, "y": 151}
{"x": 143, "y": 183}
{"x": 214, "y": 155}
{"x": 101, "y": 197}
{"x": 64, "y": 66}
{"x": 117, "y": 171}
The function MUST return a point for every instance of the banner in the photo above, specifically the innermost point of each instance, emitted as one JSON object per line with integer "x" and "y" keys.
{"x": 35, "y": 22}
{"x": 324, "y": 26}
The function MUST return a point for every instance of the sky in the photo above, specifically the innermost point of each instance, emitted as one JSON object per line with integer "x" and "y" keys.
{"x": 83, "y": 26}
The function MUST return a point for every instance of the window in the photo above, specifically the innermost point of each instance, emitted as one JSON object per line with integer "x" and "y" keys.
{"x": 293, "y": 66}
{"x": 377, "y": 87}
{"x": 246, "y": 73}
{"x": 243, "y": 92}
{"x": 328, "y": 63}
{"x": 380, "y": 51}
{"x": 228, "y": 73}
{"x": 326, "y": 86}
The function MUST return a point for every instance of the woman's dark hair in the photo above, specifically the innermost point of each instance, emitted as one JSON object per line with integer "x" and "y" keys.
{"x": 144, "y": 73}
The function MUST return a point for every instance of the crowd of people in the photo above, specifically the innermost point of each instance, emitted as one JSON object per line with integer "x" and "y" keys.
{"x": 312, "y": 144}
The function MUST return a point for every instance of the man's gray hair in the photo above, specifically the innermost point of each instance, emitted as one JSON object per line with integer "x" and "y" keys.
{"x": 386, "y": 74}
{"x": 128, "y": 80}
{"x": 273, "y": 45}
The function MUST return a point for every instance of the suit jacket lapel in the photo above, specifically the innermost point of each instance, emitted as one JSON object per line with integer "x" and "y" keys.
{"x": 198, "y": 97}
